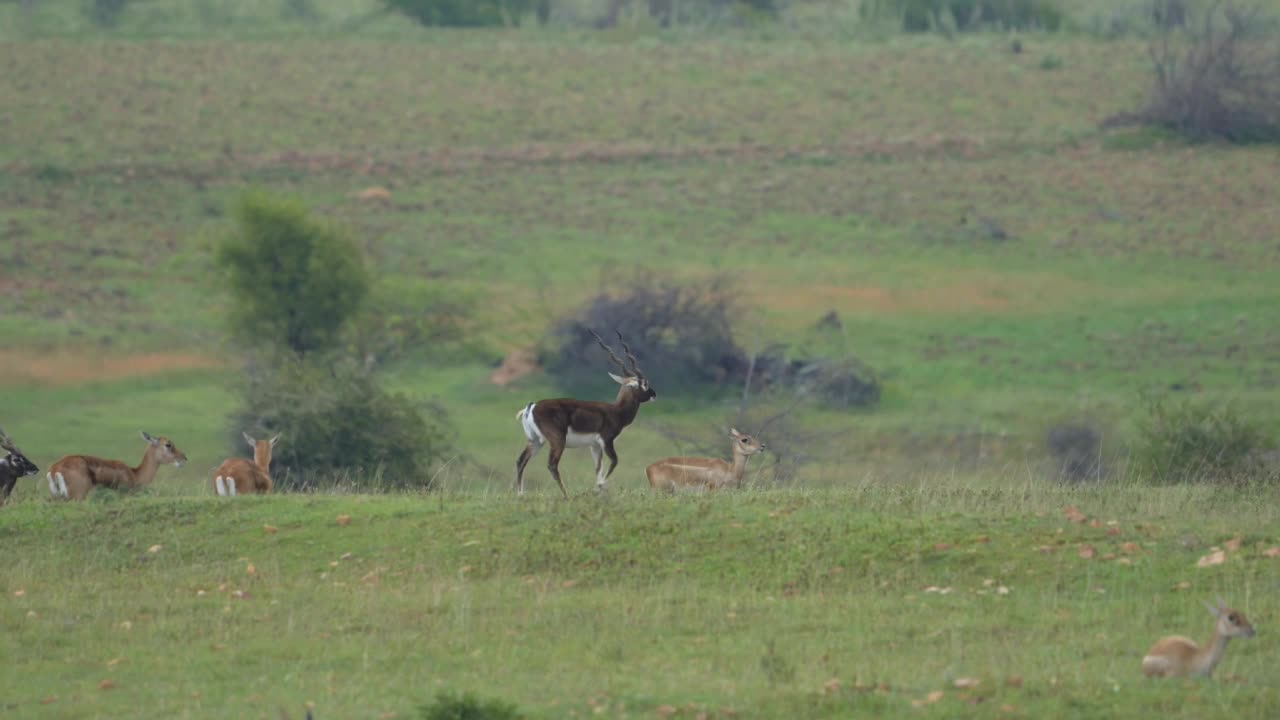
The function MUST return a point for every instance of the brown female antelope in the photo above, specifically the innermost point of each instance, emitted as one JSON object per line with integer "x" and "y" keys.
{"x": 72, "y": 477}
{"x": 709, "y": 473}
{"x": 13, "y": 465}
{"x": 567, "y": 423}
{"x": 1177, "y": 656}
{"x": 237, "y": 476}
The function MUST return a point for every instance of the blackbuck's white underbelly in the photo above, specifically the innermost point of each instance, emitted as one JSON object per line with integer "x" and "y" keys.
{"x": 579, "y": 440}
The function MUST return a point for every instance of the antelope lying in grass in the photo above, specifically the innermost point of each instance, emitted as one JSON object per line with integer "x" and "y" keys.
{"x": 13, "y": 465}
{"x": 238, "y": 476}
{"x": 568, "y": 423}
{"x": 72, "y": 477}
{"x": 709, "y": 473}
{"x": 1177, "y": 656}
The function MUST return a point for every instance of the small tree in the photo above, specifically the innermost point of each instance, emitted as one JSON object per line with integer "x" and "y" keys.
{"x": 295, "y": 281}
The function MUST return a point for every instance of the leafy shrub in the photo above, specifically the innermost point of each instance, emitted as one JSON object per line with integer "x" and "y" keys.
{"x": 669, "y": 12}
{"x": 294, "y": 281}
{"x": 1216, "y": 78}
{"x": 471, "y": 13}
{"x": 681, "y": 335}
{"x": 337, "y": 424}
{"x": 468, "y": 707}
{"x": 295, "y": 284}
{"x": 105, "y": 13}
{"x": 1186, "y": 440}
{"x": 968, "y": 15}
{"x": 1077, "y": 451}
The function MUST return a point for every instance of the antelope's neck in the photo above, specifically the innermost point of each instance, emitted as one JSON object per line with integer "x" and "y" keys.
{"x": 262, "y": 458}
{"x": 628, "y": 403}
{"x": 739, "y": 465}
{"x": 1211, "y": 654}
{"x": 146, "y": 471}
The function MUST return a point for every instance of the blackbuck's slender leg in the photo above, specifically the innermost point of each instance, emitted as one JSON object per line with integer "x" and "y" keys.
{"x": 553, "y": 464}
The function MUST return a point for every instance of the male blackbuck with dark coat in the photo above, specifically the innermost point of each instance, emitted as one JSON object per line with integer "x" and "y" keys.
{"x": 74, "y": 476}
{"x": 13, "y": 465}
{"x": 568, "y": 423}
{"x": 239, "y": 476}
{"x": 709, "y": 473}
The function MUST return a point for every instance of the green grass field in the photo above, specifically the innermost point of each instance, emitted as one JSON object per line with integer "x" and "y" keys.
{"x": 853, "y": 602}
{"x": 1002, "y": 263}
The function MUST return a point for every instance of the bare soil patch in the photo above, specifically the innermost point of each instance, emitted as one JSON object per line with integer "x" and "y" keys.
{"x": 72, "y": 367}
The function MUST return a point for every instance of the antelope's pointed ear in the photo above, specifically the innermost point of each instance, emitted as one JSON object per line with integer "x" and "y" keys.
{"x": 275, "y": 439}
{"x": 147, "y": 437}
{"x": 619, "y": 380}
{"x": 249, "y": 439}
{"x": 733, "y": 433}
{"x": 1214, "y": 611}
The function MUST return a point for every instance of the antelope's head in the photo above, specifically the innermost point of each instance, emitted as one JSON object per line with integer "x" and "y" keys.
{"x": 745, "y": 444}
{"x": 261, "y": 448}
{"x": 1231, "y": 623}
{"x": 632, "y": 377}
{"x": 166, "y": 453}
{"x": 14, "y": 458}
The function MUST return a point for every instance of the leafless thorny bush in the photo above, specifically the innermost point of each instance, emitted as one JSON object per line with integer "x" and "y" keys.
{"x": 1215, "y": 77}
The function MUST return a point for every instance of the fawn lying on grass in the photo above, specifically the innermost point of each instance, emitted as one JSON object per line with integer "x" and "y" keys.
{"x": 1177, "y": 656}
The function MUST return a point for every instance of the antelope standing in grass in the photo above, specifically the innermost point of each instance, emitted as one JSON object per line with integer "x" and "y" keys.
{"x": 13, "y": 465}
{"x": 568, "y": 423}
{"x": 709, "y": 473}
{"x": 238, "y": 476}
{"x": 74, "y": 476}
{"x": 1177, "y": 656}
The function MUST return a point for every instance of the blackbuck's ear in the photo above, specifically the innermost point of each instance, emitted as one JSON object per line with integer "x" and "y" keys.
{"x": 1214, "y": 611}
{"x": 147, "y": 437}
{"x": 275, "y": 439}
{"x": 733, "y": 433}
{"x": 249, "y": 439}
{"x": 619, "y": 380}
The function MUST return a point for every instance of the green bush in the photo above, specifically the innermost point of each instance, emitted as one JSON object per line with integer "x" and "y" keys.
{"x": 969, "y": 15}
{"x": 1187, "y": 440}
{"x": 294, "y": 281}
{"x": 338, "y": 426}
{"x": 105, "y": 13}
{"x": 295, "y": 286}
{"x": 468, "y": 707}
{"x": 471, "y": 13}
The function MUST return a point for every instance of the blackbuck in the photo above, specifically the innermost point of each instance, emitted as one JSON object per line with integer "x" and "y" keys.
{"x": 709, "y": 473}
{"x": 13, "y": 465}
{"x": 239, "y": 476}
{"x": 74, "y": 476}
{"x": 1177, "y": 656}
{"x": 568, "y": 423}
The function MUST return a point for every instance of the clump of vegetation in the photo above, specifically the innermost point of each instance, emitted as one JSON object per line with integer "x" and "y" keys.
{"x": 105, "y": 13}
{"x": 1076, "y": 448}
{"x": 296, "y": 286}
{"x": 471, "y": 13}
{"x": 968, "y": 15}
{"x": 1215, "y": 78}
{"x": 682, "y": 335}
{"x": 342, "y": 426}
{"x": 294, "y": 281}
{"x": 1189, "y": 440}
{"x": 468, "y": 707}
{"x": 670, "y": 12}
